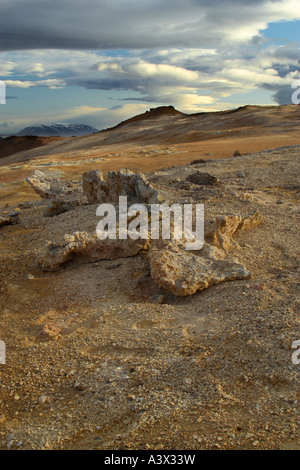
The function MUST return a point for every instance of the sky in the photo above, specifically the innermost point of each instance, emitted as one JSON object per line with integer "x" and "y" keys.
{"x": 99, "y": 62}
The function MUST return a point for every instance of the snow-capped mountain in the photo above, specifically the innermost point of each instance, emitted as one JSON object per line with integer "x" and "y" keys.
{"x": 56, "y": 129}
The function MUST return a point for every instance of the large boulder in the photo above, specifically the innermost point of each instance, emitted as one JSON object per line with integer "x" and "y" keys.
{"x": 183, "y": 273}
{"x": 50, "y": 187}
{"x": 118, "y": 183}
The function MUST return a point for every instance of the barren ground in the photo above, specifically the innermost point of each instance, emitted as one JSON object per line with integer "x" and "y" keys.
{"x": 94, "y": 363}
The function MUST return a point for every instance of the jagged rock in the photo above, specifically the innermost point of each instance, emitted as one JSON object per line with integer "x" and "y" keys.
{"x": 53, "y": 256}
{"x": 118, "y": 183}
{"x": 184, "y": 273}
{"x": 202, "y": 179}
{"x": 220, "y": 230}
{"x": 91, "y": 181}
{"x": 48, "y": 187}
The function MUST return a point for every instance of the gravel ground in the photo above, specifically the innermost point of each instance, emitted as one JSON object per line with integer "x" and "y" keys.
{"x": 95, "y": 361}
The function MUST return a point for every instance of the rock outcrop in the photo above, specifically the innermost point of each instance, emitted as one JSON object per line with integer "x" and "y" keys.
{"x": 172, "y": 267}
{"x": 219, "y": 231}
{"x": 184, "y": 273}
{"x": 118, "y": 183}
{"x": 48, "y": 187}
{"x": 53, "y": 256}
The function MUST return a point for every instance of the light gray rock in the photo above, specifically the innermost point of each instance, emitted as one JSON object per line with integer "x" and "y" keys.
{"x": 118, "y": 183}
{"x": 183, "y": 273}
{"x": 53, "y": 256}
{"x": 48, "y": 187}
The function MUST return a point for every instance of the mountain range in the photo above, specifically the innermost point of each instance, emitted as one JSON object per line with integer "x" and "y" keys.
{"x": 58, "y": 130}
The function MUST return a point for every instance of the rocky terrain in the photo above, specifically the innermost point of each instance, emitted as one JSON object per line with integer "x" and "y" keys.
{"x": 143, "y": 344}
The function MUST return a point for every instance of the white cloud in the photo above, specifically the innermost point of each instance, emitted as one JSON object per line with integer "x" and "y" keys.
{"x": 51, "y": 83}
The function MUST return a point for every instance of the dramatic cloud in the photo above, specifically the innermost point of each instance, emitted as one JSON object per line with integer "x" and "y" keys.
{"x": 190, "y": 79}
{"x": 115, "y": 24}
{"x": 197, "y": 55}
{"x": 214, "y": 75}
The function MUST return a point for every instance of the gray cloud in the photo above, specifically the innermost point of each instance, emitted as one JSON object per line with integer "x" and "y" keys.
{"x": 115, "y": 24}
{"x": 159, "y": 73}
{"x": 283, "y": 95}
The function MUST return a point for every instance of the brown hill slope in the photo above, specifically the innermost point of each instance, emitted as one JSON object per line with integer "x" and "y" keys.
{"x": 253, "y": 128}
{"x": 15, "y": 144}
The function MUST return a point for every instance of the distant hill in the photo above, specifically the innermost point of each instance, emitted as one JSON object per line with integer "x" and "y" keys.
{"x": 15, "y": 144}
{"x": 159, "y": 112}
{"x": 247, "y": 129}
{"x": 58, "y": 130}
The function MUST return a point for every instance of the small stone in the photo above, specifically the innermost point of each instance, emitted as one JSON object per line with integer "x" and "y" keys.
{"x": 16, "y": 397}
{"x": 52, "y": 330}
{"x": 42, "y": 399}
{"x": 79, "y": 387}
{"x": 259, "y": 287}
